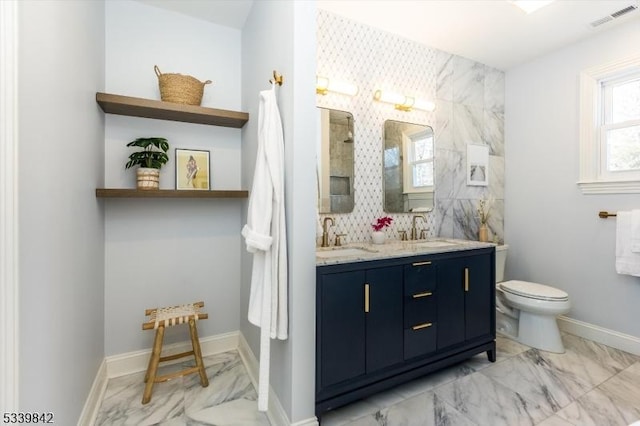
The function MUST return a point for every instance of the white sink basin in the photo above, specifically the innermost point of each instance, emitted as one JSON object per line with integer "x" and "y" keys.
{"x": 342, "y": 252}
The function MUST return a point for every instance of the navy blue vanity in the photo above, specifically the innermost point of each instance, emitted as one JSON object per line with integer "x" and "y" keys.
{"x": 382, "y": 321}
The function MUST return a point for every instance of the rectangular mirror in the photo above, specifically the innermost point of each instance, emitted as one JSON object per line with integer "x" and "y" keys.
{"x": 408, "y": 167}
{"x": 335, "y": 169}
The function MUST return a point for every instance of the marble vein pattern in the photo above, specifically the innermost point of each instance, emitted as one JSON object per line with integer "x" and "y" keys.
{"x": 590, "y": 384}
{"x": 230, "y": 398}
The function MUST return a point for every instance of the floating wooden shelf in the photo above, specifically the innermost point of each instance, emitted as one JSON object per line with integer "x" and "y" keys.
{"x": 168, "y": 193}
{"x": 147, "y": 108}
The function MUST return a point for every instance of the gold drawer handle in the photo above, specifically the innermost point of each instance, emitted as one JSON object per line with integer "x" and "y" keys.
{"x": 466, "y": 279}
{"x": 366, "y": 298}
{"x": 421, "y": 263}
{"x": 420, "y": 326}
{"x": 419, "y": 295}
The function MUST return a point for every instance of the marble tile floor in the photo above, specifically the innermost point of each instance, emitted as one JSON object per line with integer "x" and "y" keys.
{"x": 229, "y": 400}
{"x": 590, "y": 384}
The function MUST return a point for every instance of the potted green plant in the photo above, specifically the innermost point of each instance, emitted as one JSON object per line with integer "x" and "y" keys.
{"x": 150, "y": 159}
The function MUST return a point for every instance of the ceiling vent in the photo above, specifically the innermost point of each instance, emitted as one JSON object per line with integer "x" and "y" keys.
{"x": 613, "y": 16}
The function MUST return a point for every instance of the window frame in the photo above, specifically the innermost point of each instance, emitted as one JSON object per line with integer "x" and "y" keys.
{"x": 591, "y": 179}
{"x": 408, "y": 142}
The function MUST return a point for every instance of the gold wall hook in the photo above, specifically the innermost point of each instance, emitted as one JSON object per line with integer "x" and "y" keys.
{"x": 277, "y": 78}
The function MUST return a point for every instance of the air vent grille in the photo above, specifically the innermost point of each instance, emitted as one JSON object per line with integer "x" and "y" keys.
{"x": 624, "y": 11}
{"x": 613, "y": 16}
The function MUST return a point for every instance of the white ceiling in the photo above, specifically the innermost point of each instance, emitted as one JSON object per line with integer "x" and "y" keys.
{"x": 493, "y": 32}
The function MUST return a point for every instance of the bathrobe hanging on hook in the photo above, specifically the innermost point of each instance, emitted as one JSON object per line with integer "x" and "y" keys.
{"x": 265, "y": 236}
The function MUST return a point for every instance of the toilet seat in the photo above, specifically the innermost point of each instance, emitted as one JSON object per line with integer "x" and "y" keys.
{"x": 534, "y": 291}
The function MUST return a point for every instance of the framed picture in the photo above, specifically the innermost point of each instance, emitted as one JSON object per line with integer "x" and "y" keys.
{"x": 477, "y": 165}
{"x": 192, "y": 169}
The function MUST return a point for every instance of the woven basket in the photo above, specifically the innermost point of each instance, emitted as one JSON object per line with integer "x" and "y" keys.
{"x": 180, "y": 89}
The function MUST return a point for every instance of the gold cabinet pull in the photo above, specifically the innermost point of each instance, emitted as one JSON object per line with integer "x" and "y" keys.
{"x": 421, "y": 263}
{"x": 366, "y": 298}
{"x": 419, "y": 295}
{"x": 420, "y": 326}
{"x": 466, "y": 279}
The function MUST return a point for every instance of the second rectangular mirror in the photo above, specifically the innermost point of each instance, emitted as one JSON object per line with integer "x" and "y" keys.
{"x": 408, "y": 167}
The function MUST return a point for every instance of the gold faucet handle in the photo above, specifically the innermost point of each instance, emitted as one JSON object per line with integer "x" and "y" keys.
{"x": 423, "y": 233}
{"x": 403, "y": 235}
{"x": 338, "y": 240}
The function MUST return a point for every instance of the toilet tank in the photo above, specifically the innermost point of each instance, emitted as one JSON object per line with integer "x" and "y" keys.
{"x": 501, "y": 260}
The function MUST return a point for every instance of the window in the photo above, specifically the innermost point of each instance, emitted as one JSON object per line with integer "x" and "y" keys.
{"x": 620, "y": 129}
{"x": 610, "y": 128}
{"x": 418, "y": 171}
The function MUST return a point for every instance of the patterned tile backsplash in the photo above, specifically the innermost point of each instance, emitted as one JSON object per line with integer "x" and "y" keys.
{"x": 469, "y": 99}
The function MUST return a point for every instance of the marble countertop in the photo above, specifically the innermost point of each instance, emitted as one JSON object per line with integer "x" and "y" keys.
{"x": 358, "y": 252}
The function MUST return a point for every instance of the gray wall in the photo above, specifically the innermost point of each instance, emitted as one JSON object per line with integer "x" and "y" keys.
{"x": 163, "y": 252}
{"x": 61, "y": 241}
{"x": 277, "y": 36}
{"x": 553, "y": 230}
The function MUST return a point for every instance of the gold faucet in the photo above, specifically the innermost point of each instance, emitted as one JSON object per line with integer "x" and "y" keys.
{"x": 414, "y": 230}
{"x": 325, "y": 231}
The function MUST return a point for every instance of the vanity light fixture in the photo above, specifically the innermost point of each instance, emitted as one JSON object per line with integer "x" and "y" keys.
{"x": 402, "y": 102}
{"x": 324, "y": 85}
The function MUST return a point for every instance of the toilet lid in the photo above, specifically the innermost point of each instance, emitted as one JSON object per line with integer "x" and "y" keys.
{"x": 534, "y": 290}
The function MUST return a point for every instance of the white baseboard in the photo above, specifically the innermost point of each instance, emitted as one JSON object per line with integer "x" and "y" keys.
{"x": 614, "y": 339}
{"x": 133, "y": 362}
{"x": 276, "y": 414}
{"x": 92, "y": 404}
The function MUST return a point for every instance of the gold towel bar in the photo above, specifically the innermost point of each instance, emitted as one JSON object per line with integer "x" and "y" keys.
{"x": 604, "y": 215}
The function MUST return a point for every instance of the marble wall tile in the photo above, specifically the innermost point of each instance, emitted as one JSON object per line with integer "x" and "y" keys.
{"x": 468, "y": 82}
{"x": 445, "y": 212}
{"x": 443, "y": 130}
{"x": 493, "y": 90}
{"x": 488, "y": 402}
{"x": 444, "y": 76}
{"x": 493, "y": 132}
{"x": 468, "y": 125}
{"x": 448, "y": 167}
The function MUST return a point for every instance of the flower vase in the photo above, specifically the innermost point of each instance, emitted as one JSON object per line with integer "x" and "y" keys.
{"x": 378, "y": 237}
{"x": 483, "y": 233}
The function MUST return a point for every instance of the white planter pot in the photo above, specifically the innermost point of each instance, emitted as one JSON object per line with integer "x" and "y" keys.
{"x": 378, "y": 237}
{"x": 148, "y": 178}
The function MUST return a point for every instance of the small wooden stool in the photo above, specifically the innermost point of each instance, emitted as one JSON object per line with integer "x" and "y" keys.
{"x": 159, "y": 318}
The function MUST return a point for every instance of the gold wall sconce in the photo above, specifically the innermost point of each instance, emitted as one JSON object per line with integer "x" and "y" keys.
{"x": 402, "y": 102}
{"x": 325, "y": 85}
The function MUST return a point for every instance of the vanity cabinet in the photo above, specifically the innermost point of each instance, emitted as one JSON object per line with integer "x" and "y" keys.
{"x": 384, "y": 322}
{"x": 360, "y": 322}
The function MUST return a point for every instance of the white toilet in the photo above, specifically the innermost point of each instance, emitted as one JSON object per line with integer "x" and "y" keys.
{"x": 527, "y": 311}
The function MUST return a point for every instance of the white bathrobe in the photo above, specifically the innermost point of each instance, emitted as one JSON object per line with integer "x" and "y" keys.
{"x": 265, "y": 236}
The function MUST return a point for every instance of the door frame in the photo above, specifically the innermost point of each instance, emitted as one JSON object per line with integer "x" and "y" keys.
{"x": 9, "y": 336}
